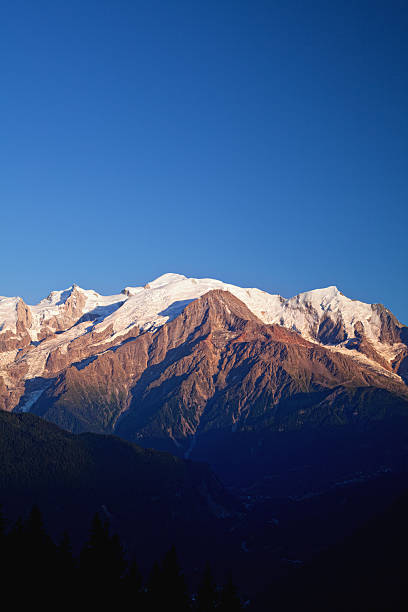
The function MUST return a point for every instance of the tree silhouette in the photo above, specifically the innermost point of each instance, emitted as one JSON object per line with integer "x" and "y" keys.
{"x": 229, "y": 599}
{"x": 40, "y": 552}
{"x": 155, "y": 598}
{"x": 173, "y": 582}
{"x": 101, "y": 577}
{"x": 133, "y": 587}
{"x": 166, "y": 586}
{"x": 102, "y": 563}
{"x": 68, "y": 575}
{"x": 207, "y": 595}
{"x": 117, "y": 562}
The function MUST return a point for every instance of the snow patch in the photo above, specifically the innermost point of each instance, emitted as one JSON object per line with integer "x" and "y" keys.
{"x": 30, "y": 399}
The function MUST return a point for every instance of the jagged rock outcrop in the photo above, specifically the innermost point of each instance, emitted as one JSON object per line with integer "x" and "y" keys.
{"x": 331, "y": 331}
{"x": 392, "y": 331}
{"x": 24, "y": 318}
{"x": 400, "y": 364}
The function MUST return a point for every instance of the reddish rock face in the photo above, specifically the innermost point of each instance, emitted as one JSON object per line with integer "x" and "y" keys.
{"x": 391, "y": 329}
{"x": 215, "y": 366}
{"x": 24, "y": 318}
{"x": 20, "y": 338}
{"x": 400, "y": 364}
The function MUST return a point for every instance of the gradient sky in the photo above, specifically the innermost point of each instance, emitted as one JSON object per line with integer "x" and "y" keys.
{"x": 261, "y": 143}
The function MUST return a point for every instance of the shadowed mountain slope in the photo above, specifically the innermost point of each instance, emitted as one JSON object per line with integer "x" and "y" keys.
{"x": 153, "y": 499}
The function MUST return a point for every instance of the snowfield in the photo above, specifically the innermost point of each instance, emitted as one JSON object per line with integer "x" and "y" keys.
{"x": 164, "y": 298}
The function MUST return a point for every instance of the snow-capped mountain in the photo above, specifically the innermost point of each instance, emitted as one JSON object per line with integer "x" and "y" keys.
{"x": 325, "y": 315}
{"x": 100, "y": 352}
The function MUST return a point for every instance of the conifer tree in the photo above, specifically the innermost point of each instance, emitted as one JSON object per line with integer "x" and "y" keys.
{"x": 34, "y": 557}
{"x": 102, "y": 563}
{"x": 94, "y": 553}
{"x": 39, "y": 547}
{"x": 66, "y": 575}
{"x": 154, "y": 593}
{"x": 207, "y": 595}
{"x": 133, "y": 587}
{"x": 134, "y": 577}
{"x": 117, "y": 562}
{"x": 173, "y": 582}
{"x": 229, "y": 598}
{"x": 34, "y": 530}
{"x": 67, "y": 579}
{"x": 166, "y": 587}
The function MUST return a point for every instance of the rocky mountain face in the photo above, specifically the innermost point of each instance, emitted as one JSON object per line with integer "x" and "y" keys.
{"x": 168, "y": 363}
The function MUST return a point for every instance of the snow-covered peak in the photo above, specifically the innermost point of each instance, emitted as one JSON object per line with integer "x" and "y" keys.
{"x": 330, "y": 299}
{"x": 166, "y": 279}
{"x": 325, "y": 299}
{"x": 73, "y": 303}
{"x": 305, "y": 311}
{"x": 324, "y": 295}
{"x": 56, "y": 298}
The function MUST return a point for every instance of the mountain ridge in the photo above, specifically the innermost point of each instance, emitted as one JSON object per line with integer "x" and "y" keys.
{"x": 112, "y": 341}
{"x": 216, "y": 365}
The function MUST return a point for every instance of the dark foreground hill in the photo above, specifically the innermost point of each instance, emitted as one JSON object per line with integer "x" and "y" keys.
{"x": 151, "y": 498}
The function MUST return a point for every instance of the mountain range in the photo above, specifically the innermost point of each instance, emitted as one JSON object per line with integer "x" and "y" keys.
{"x": 181, "y": 356}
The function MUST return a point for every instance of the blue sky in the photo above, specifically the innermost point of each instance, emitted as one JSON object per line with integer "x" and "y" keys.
{"x": 261, "y": 143}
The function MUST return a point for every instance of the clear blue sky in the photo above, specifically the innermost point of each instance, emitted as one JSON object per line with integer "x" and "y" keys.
{"x": 262, "y": 143}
